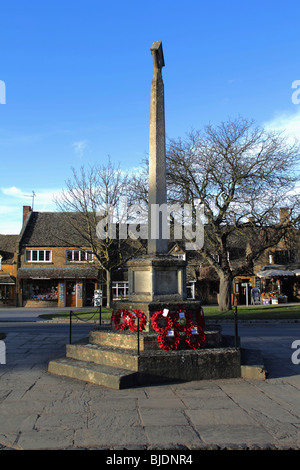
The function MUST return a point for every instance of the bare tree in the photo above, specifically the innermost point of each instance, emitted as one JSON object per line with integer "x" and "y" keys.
{"x": 91, "y": 199}
{"x": 241, "y": 175}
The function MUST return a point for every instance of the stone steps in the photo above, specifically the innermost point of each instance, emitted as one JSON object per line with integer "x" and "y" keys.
{"x": 148, "y": 341}
{"x": 99, "y": 354}
{"x": 112, "y": 338}
{"x": 98, "y": 374}
{"x": 109, "y": 358}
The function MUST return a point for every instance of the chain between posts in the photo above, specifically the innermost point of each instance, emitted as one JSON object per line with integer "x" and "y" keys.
{"x": 76, "y": 315}
{"x": 100, "y": 321}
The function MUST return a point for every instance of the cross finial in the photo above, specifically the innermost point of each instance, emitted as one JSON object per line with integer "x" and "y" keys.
{"x": 157, "y": 55}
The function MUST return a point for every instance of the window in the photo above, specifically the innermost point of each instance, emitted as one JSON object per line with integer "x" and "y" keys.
{"x": 79, "y": 256}
{"x": 120, "y": 290}
{"x": 190, "y": 289}
{"x": 38, "y": 256}
{"x": 179, "y": 256}
{"x": 285, "y": 256}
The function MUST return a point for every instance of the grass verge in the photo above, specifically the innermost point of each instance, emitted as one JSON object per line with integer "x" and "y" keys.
{"x": 258, "y": 312}
{"x": 83, "y": 315}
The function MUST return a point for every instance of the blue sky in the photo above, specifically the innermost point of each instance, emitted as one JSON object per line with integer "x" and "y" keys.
{"x": 77, "y": 76}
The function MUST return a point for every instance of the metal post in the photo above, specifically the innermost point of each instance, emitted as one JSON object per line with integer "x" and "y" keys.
{"x": 70, "y": 330}
{"x": 100, "y": 311}
{"x": 235, "y": 328}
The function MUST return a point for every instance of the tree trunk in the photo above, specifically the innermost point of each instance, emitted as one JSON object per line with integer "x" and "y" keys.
{"x": 225, "y": 292}
{"x": 108, "y": 289}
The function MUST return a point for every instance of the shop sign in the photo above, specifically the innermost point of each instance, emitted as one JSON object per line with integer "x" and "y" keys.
{"x": 97, "y": 298}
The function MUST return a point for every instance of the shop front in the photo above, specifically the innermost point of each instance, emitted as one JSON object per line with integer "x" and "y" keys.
{"x": 244, "y": 288}
{"x": 56, "y": 287}
{"x": 277, "y": 285}
{"x": 7, "y": 290}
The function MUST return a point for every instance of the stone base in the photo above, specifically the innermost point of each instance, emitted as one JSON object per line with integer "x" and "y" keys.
{"x": 110, "y": 337}
{"x": 110, "y": 359}
{"x": 201, "y": 364}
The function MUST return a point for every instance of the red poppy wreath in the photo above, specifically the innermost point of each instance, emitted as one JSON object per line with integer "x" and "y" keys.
{"x": 182, "y": 320}
{"x": 159, "y": 321}
{"x": 195, "y": 337}
{"x": 122, "y": 313}
{"x": 168, "y": 339}
{"x": 137, "y": 314}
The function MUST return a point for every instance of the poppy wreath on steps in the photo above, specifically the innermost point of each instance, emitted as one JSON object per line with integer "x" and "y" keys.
{"x": 142, "y": 320}
{"x": 195, "y": 337}
{"x": 118, "y": 315}
{"x": 167, "y": 340}
{"x": 158, "y": 318}
{"x": 182, "y": 320}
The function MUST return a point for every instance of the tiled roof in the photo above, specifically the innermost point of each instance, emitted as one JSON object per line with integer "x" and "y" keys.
{"x": 7, "y": 279}
{"x": 8, "y": 246}
{"x": 52, "y": 229}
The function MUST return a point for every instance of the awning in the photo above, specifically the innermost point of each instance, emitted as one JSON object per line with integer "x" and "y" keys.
{"x": 275, "y": 273}
{"x": 6, "y": 279}
{"x": 58, "y": 273}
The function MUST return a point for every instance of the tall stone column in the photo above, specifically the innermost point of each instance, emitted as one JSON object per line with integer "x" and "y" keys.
{"x": 156, "y": 280}
{"x": 157, "y": 156}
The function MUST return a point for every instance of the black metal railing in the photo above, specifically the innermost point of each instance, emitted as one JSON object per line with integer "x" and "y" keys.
{"x": 235, "y": 328}
{"x": 138, "y": 336}
{"x": 86, "y": 320}
{"x": 100, "y": 322}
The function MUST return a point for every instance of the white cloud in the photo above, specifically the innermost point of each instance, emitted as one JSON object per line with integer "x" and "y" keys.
{"x": 43, "y": 198}
{"x": 286, "y": 122}
{"x": 12, "y": 191}
{"x": 13, "y": 200}
{"x": 10, "y": 227}
{"x": 80, "y": 147}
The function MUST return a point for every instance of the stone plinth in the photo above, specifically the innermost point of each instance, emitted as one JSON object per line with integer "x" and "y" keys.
{"x": 157, "y": 283}
{"x": 156, "y": 278}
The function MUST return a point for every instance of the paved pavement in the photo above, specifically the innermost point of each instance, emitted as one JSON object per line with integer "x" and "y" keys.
{"x": 43, "y": 411}
{"x": 22, "y": 314}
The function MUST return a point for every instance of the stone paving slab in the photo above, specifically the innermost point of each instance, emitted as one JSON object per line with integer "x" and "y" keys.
{"x": 41, "y": 411}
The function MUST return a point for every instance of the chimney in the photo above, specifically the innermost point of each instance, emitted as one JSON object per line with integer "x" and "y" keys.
{"x": 26, "y": 211}
{"x": 284, "y": 215}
